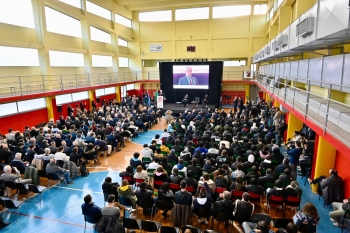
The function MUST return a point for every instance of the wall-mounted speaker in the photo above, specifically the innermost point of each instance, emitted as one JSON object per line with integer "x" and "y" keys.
{"x": 98, "y": 99}
{"x": 59, "y": 108}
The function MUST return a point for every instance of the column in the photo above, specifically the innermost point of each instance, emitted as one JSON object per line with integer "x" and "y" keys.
{"x": 91, "y": 98}
{"x": 117, "y": 93}
{"x": 325, "y": 159}
{"x": 247, "y": 92}
{"x": 49, "y": 106}
{"x": 294, "y": 124}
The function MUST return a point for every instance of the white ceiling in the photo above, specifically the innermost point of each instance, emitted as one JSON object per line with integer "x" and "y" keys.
{"x": 144, "y": 5}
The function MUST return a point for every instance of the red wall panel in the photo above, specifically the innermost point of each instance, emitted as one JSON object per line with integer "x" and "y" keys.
{"x": 342, "y": 166}
{"x": 19, "y": 121}
{"x": 232, "y": 94}
{"x": 134, "y": 92}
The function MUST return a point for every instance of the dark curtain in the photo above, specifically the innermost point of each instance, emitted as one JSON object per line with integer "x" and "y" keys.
{"x": 176, "y": 95}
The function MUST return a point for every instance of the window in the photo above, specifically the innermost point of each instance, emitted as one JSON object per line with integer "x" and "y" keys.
{"x": 270, "y": 15}
{"x": 109, "y": 90}
{"x": 123, "y": 91}
{"x": 99, "y": 35}
{"x": 123, "y": 62}
{"x": 8, "y": 109}
{"x": 30, "y": 105}
{"x": 75, "y": 3}
{"x": 60, "y": 23}
{"x": 17, "y": 12}
{"x": 155, "y": 16}
{"x": 279, "y": 2}
{"x": 65, "y": 59}
{"x": 99, "y": 92}
{"x": 84, "y": 95}
{"x": 192, "y": 13}
{"x": 97, "y": 10}
{"x": 130, "y": 87}
{"x": 12, "y": 56}
{"x": 123, "y": 21}
{"x": 260, "y": 9}
{"x": 235, "y": 63}
{"x": 122, "y": 42}
{"x": 231, "y": 11}
{"x": 62, "y": 99}
{"x": 101, "y": 61}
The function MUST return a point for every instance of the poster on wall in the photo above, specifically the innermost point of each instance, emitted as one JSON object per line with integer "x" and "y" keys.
{"x": 160, "y": 102}
{"x": 155, "y": 48}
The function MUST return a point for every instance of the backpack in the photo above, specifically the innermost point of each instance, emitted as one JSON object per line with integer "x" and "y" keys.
{"x": 101, "y": 225}
{"x": 83, "y": 170}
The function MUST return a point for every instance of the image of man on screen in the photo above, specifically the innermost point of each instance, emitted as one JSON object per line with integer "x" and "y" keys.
{"x": 188, "y": 79}
{"x": 185, "y": 100}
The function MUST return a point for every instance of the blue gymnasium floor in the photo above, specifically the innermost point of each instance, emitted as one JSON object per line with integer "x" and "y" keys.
{"x": 62, "y": 212}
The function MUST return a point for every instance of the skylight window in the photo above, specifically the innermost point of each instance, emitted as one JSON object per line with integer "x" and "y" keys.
{"x": 192, "y": 13}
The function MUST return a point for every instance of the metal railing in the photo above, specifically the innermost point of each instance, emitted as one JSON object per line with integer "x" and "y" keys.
{"x": 333, "y": 116}
{"x": 24, "y": 85}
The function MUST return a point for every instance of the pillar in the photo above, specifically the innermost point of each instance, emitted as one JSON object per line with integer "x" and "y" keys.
{"x": 117, "y": 93}
{"x": 91, "y": 98}
{"x": 267, "y": 98}
{"x": 276, "y": 103}
{"x": 294, "y": 124}
{"x": 325, "y": 159}
{"x": 49, "y": 107}
{"x": 247, "y": 92}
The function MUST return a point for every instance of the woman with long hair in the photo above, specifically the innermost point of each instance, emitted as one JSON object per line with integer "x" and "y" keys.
{"x": 165, "y": 194}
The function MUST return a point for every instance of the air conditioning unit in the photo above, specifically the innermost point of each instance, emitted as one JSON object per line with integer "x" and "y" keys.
{"x": 274, "y": 45}
{"x": 267, "y": 50}
{"x": 283, "y": 41}
{"x": 305, "y": 27}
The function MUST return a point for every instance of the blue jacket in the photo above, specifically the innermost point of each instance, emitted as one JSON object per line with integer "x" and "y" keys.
{"x": 91, "y": 209}
{"x": 294, "y": 155}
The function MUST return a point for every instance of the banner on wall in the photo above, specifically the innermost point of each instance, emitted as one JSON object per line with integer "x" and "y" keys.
{"x": 156, "y": 48}
{"x": 160, "y": 102}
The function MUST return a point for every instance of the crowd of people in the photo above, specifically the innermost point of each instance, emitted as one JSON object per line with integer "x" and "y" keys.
{"x": 199, "y": 161}
{"x": 201, "y": 153}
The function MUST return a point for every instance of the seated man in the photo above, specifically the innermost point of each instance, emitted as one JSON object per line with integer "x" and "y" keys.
{"x": 182, "y": 197}
{"x": 339, "y": 210}
{"x": 62, "y": 174}
{"x": 18, "y": 163}
{"x": 7, "y": 176}
{"x": 90, "y": 209}
{"x": 262, "y": 227}
{"x": 144, "y": 196}
{"x": 113, "y": 208}
{"x": 244, "y": 208}
{"x": 224, "y": 204}
{"x": 334, "y": 180}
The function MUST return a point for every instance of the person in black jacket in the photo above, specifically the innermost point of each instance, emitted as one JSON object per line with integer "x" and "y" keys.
{"x": 183, "y": 197}
{"x": 5, "y": 154}
{"x": 202, "y": 202}
{"x": 144, "y": 196}
{"x": 224, "y": 205}
{"x": 110, "y": 188}
{"x": 177, "y": 146}
{"x": 286, "y": 175}
{"x": 165, "y": 194}
{"x": 267, "y": 163}
{"x": 254, "y": 187}
{"x": 278, "y": 190}
{"x": 190, "y": 181}
{"x": 199, "y": 157}
{"x": 197, "y": 171}
{"x": 175, "y": 177}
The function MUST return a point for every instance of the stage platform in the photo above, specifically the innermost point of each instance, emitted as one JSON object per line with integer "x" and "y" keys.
{"x": 178, "y": 108}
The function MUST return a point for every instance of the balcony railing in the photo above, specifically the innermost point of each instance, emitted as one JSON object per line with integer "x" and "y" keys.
{"x": 331, "y": 115}
{"x": 24, "y": 85}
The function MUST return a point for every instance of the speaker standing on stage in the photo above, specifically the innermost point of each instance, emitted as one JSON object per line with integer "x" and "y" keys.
{"x": 185, "y": 100}
{"x": 205, "y": 101}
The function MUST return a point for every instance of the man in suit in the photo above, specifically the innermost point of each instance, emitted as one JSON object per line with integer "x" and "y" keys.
{"x": 188, "y": 79}
{"x": 185, "y": 100}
